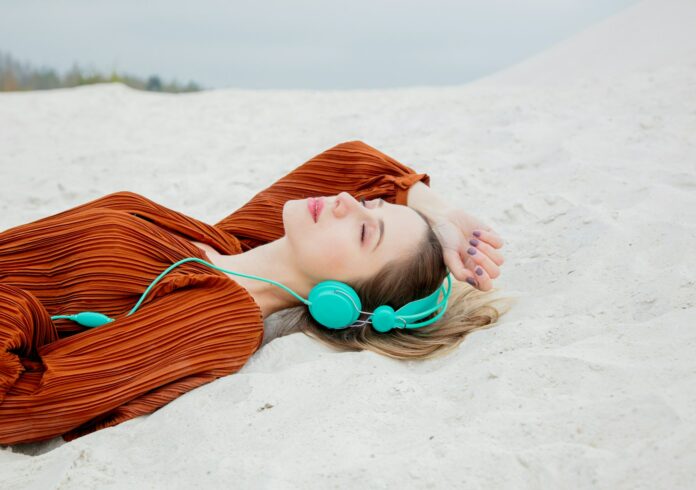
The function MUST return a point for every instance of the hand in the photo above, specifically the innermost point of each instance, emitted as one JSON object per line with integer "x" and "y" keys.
{"x": 455, "y": 231}
{"x": 459, "y": 234}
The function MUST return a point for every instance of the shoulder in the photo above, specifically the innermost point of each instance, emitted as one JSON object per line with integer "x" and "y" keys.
{"x": 211, "y": 286}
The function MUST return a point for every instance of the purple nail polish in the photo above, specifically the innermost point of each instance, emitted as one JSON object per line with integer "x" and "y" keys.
{"x": 477, "y": 234}
{"x": 479, "y": 271}
{"x": 470, "y": 281}
{"x": 471, "y": 251}
{"x": 474, "y": 242}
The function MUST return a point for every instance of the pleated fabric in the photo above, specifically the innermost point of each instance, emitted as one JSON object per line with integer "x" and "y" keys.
{"x": 194, "y": 326}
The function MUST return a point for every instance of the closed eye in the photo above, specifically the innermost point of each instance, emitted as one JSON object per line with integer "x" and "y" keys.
{"x": 362, "y": 233}
{"x": 380, "y": 203}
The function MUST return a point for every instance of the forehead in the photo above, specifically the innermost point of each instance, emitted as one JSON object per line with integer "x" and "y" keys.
{"x": 403, "y": 229}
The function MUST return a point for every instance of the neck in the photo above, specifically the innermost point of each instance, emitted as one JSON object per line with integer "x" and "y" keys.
{"x": 270, "y": 261}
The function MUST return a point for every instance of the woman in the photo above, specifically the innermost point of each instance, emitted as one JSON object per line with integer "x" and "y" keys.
{"x": 198, "y": 323}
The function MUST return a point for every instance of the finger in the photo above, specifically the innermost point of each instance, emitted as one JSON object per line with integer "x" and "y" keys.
{"x": 492, "y": 253}
{"x": 490, "y": 237}
{"x": 456, "y": 265}
{"x": 471, "y": 267}
{"x": 483, "y": 280}
{"x": 480, "y": 281}
{"x": 483, "y": 261}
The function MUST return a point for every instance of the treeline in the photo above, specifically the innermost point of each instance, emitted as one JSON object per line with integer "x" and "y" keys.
{"x": 15, "y": 75}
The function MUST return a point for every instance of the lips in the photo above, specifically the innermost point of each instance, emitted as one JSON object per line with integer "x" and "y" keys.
{"x": 315, "y": 205}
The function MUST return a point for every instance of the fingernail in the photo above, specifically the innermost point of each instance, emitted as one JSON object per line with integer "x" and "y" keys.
{"x": 479, "y": 271}
{"x": 477, "y": 234}
{"x": 471, "y": 251}
{"x": 471, "y": 281}
{"x": 474, "y": 242}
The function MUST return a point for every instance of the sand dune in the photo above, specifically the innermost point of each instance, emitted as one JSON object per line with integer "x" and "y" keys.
{"x": 583, "y": 158}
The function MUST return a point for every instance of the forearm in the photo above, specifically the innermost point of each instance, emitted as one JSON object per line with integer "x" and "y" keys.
{"x": 426, "y": 200}
{"x": 353, "y": 167}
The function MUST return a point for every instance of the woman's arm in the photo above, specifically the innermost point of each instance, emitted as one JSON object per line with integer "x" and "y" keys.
{"x": 426, "y": 200}
{"x": 470, "y": 246}
{"x": 196, "y": 328}
{"x": 149, "y": 210}
{"x": 353, "y": 166}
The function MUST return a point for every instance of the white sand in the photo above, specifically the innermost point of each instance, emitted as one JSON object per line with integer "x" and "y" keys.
{"x": 583, "y": 158}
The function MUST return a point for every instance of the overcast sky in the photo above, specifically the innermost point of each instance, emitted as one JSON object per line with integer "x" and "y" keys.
{"x": 308, "y": 44}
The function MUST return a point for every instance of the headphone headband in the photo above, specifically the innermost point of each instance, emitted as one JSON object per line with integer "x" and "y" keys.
{"x": 336, "y": 305}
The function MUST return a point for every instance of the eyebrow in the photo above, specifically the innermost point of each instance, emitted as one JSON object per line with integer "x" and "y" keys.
{"x": 381, "y": 225}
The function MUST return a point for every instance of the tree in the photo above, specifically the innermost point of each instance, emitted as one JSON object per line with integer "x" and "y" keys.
{"x": 154, "y": 84}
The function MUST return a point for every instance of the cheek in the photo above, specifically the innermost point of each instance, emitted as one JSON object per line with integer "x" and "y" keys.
{"x": 327, "y": 247}
{"x": 327, "y": 255}
{"x": 319, "y": 251}
{"x": 336, "y": 255}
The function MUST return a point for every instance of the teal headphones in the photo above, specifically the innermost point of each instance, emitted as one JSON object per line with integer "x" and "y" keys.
{"x": 333, "y": 304}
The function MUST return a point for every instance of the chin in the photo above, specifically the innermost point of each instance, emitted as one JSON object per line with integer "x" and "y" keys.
{"x": 293, "y": 216}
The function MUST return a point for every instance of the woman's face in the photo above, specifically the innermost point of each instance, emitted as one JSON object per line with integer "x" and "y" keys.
{"x": 347, "y": 242}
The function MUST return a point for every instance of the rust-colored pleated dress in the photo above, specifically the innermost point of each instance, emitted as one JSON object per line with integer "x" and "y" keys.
{"x": 195, "y": 325}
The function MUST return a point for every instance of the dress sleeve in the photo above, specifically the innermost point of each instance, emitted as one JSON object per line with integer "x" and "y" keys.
{"x": 353, "y": 167}
{"x": 149, "y": 210}
{"x": 196, "y": 328}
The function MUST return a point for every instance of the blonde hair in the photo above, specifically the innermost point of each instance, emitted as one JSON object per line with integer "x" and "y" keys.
{"x": 400, "y": 282}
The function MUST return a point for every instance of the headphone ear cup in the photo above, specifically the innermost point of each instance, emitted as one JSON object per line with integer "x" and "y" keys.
{"x": 331, "y": 304}
{"x": 383, "y": 318}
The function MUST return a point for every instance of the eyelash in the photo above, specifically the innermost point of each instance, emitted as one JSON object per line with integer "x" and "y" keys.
{"x": 362, "y": 234}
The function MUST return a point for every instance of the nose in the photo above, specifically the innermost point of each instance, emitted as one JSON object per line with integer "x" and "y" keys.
{"x": 344, "y": 204}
